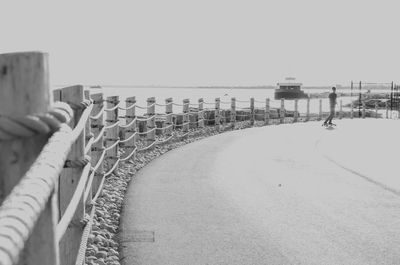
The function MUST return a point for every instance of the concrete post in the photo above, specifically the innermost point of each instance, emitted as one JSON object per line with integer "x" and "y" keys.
{"x": 308, "y": 110}
{"x": 341, "y": 110}
{"x": 233, "y": 113}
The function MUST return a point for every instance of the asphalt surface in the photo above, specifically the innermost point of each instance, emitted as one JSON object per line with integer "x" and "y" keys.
{"x": 287, "y": 194}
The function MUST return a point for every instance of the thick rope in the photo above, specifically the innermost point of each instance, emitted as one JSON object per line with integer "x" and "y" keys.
{"x": 31, "y": 125}
{"x": 37, "y": 183}
{"x": 85, "y": 236}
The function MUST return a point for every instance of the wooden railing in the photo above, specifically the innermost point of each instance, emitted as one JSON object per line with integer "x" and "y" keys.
{"x": 51, "y": 174}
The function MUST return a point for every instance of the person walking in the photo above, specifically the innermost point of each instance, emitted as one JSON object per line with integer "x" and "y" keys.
{"x": 332, "y": 104}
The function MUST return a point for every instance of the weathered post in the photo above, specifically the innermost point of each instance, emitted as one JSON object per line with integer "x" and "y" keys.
{"x": 97, "y": 127}
{"x": 320, "y": 110}
{"x": 201, "y": 113}
{"x": 363, "y": 109}
{"x": 24, "y": 90}
{"x": 341, "y": 110}
{"x": 351, "y": 110}
{"x": 308, "y": 110}
{"x": 112, "y": 133}
{"x": 168, "y": 119}
{"x": 185, "y": 118}
{"x": 130, "y": 116}
{"x": 267, "y": 112}
{"x": 252, "y": 111}
{"x": 88, "y": 137}
{"x": 151, "y": 122}
{"x": 216, "y": 114}
{"x": 376, "y": 109}
{"x": 296, "y": 110}
{"x": 233, "y": 113}
{"x": 70, "y": 176}
{"x": 282, "y": 111}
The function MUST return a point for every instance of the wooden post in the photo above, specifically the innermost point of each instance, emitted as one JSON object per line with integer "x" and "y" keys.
{"x": 341, "y": 110}
{"x": 251, "y": 111}
{"x": 363, "y": 109}
{"x": 320, "y": 110}
{"x": 201, "y": 113}
{"x": 70, "y": 176}
{"x": 24, "y": 90}
{"x": 308, "y": 110}
{"x": 216, "y": 114}
{"x": 151, "y": 123}
{"x": 97, "y": 147}
{"x": 376, "y": 109}
{"x": 112, "y": 134}
{"x": 233, "y": 113}
{"x": 351, "y": 110}
{"x": 185, "y": 118}
{"x": 282, "y": 111}
{"x": 168, "y": 121}
{"x": 296, "y": 110}
{"x": 130, "y": 115}
{"x": 88, "y": 136}
{"x": 267, "y": 112}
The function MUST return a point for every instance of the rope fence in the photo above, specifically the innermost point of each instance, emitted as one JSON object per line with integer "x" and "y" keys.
{"x": 80, "y": 140}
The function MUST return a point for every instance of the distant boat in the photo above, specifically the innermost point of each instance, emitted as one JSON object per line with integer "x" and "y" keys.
{"x": 96, "y": 86}
{"x": 289, "y": 90}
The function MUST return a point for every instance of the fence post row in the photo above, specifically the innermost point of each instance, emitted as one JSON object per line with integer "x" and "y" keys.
{"x": 282, "y": 111}
{"x": 24, "y": 82}
{"x": 267, "y": 112}
{"x": 216, "y": 113}
{"x": 201, "y": 113}
{"x": 112, "y": 132}
{"x": 130, "y": 115}
{"x": 151, "y": 122}
{"x": 168, "y": 119}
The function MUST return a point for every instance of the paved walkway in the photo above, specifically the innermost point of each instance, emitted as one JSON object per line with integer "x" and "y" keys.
{"x": 287, "y": 194}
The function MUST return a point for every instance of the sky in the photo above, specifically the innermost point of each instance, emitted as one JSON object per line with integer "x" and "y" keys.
{"x": 207, "y": 42}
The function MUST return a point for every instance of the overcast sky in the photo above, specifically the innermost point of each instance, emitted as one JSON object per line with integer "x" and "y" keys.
{"x": 208, "y": 42}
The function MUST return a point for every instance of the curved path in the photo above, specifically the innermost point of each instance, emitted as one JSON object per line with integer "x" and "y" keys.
{"x": 287, "y": 194}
